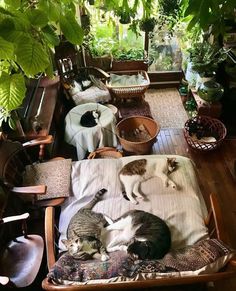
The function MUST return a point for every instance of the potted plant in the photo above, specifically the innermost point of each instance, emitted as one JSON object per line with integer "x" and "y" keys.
{"x": 204, "y": 58}
{"x": 29, "y": 30}
{"x": 129, "y": 59}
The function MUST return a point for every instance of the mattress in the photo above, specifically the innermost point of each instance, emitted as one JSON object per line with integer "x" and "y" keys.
{"x": 183, "y": 209}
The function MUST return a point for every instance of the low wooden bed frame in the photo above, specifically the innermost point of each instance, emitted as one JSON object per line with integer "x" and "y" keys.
{"x": 12, "y": 161}
{"x": 216, "y": 230}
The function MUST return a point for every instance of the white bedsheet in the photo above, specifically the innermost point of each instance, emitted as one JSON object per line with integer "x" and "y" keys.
{"x": 183, "y": 209}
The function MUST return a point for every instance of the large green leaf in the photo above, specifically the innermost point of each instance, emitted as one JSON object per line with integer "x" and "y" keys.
{"x": 71, "y": 29}
{"x": 31, "y": 56}
{"x": 37, "y": 17}
{"x": 51, "y": 8}
{"x": 6, "y": 49}
{"x": 12, "y": 91}
{"x": 50, "y": 36}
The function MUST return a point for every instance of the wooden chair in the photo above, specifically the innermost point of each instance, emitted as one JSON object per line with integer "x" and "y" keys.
{"x": 20, "y": 255}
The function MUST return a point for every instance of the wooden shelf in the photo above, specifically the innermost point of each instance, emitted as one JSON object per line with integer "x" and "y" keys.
{"x": 206, "y": 108}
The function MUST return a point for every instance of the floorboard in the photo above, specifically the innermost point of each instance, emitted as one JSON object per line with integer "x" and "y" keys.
{"x": 216, "y": 174}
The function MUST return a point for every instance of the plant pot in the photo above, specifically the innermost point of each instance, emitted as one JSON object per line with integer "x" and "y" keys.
{"x": 210, "y": 91}
{"x": 129, "y": 65}
{"x": 200, "y": 80}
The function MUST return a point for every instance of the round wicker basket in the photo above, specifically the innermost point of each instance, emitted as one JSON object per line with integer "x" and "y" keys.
{"x": 105, "y": 153}
{"x": 132, "y": 123}
{"x": 204, "y": 125}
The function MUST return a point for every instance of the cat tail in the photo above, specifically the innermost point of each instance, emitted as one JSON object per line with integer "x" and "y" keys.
{"x": 96, "y": 198}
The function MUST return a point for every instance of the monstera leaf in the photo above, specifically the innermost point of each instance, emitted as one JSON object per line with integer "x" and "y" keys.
{"x": 12, "y": 91}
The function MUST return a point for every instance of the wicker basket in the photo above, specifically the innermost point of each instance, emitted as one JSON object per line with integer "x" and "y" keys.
{"x": 130, "y": 124}
{"x": 105, "y": 153}
{"x": 214, "y": 128}
{"x": 131, "y": 91}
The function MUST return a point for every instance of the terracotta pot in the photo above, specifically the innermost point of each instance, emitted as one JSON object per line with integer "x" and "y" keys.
{"x": 129, "y": 65}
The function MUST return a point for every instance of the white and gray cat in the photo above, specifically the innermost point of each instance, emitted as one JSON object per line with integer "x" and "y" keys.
{"x": 138, "y": 171}
{"x": 142, "y": 234}
{"x": 84, "y": 232}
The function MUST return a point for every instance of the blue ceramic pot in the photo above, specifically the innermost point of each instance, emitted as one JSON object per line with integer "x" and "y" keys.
{"x": 210, "y": 91}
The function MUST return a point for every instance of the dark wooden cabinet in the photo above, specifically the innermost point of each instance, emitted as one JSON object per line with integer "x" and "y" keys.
{"x": 42, "y": 112}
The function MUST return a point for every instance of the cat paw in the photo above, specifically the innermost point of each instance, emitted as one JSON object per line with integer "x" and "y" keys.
{"x": 104, "y": 257}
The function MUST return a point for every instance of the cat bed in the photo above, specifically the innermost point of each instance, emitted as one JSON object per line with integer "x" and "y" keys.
{"x": 192, "y": 252}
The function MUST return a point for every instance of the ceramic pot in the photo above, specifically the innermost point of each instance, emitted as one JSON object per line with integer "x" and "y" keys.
{"x": 210, "y": 91}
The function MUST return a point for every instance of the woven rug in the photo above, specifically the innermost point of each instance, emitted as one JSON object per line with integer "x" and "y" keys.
{"x": 166, "y": 107}
{"x": 133, "y": 107}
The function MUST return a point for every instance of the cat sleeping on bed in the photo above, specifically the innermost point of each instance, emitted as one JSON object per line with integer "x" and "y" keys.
{"x": 142, "y": 234}
{"x": 137, "y": 171}
{"x": 84, "y": 232}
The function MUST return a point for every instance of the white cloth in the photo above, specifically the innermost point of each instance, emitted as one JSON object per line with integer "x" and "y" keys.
{"x": 89, "y": 138}
{"x": 183, "y": 209}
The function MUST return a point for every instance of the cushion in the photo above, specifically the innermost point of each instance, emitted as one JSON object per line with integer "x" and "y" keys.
{"x": 183, "y": 209}
{"x": 54, "y": 174}
{"x": 126, "y": 80}
{"x": 206, "y": 256}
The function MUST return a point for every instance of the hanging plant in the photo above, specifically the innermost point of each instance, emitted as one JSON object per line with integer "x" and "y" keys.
{"x": 147, "y": 24}
{"x": 124, "y": 13}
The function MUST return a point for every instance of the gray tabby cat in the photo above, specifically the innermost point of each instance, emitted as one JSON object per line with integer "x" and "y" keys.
{"x": 142, "y": 234}
{"x": 138, "y": 171}
{"x": 84, "y": 232}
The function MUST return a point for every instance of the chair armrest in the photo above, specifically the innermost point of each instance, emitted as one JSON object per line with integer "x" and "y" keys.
{"x": 14, "y": 218}
{"x": 4, "y": 280}
{"x": 39, "y": 141}
{"x": 102, "y": 72}
{"x": 50, "y": 236}
{"x": 38, "y": 189}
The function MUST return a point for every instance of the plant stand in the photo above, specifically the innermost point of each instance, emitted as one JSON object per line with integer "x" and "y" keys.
{"x": 206, "y": 108}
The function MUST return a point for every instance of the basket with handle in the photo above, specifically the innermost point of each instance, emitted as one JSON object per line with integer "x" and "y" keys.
{"x": 105, "y": 153}
{"x": 129, "y": 91}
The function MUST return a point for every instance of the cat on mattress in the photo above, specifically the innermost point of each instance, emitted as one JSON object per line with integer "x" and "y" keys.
{"x": 84, "y": 232}
{"x": 138, "y": 171}
{"x": 141, "y": 234}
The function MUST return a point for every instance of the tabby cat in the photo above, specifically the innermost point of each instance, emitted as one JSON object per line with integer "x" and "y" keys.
{"x": 142, "y": 234}
{"x": 84, "y": 232}
{"x": 137, "y": 171}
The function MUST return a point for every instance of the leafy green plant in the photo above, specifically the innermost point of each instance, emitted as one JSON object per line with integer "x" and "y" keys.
{"x": 205, "y": 57}
{"x": 209, "y": 15}
{"x": 29, "y": 31}
{"x": 128, "y": 54}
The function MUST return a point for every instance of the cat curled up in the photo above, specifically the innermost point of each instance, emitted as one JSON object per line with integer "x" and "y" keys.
{"x": 138, "y": 171}
{"x": 84, "y": 232}
{"x": 142, "y": 234}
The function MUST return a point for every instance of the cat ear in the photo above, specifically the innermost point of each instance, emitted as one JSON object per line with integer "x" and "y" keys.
{"x": 64, "y": 241}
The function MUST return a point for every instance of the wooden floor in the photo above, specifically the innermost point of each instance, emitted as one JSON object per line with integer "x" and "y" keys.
{"x": 216, "y": 174}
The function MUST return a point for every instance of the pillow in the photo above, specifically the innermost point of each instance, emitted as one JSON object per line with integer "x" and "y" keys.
{"x": 70, "y": 269}
{"x": 204, "y": 257}
{"x": 56, "y": 175}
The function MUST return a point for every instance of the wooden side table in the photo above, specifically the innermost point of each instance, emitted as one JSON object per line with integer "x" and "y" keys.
{"x": 206, "y": 108}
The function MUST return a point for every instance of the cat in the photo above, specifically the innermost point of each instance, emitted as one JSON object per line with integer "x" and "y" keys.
{"x": 90, "y": 118}
{"x": 142, "y": 234}
{"x": 84, "y": 232}
{"x": 137, "y": 171}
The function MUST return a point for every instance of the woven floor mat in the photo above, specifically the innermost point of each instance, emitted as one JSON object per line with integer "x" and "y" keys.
{"x": 166, "y": 107}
